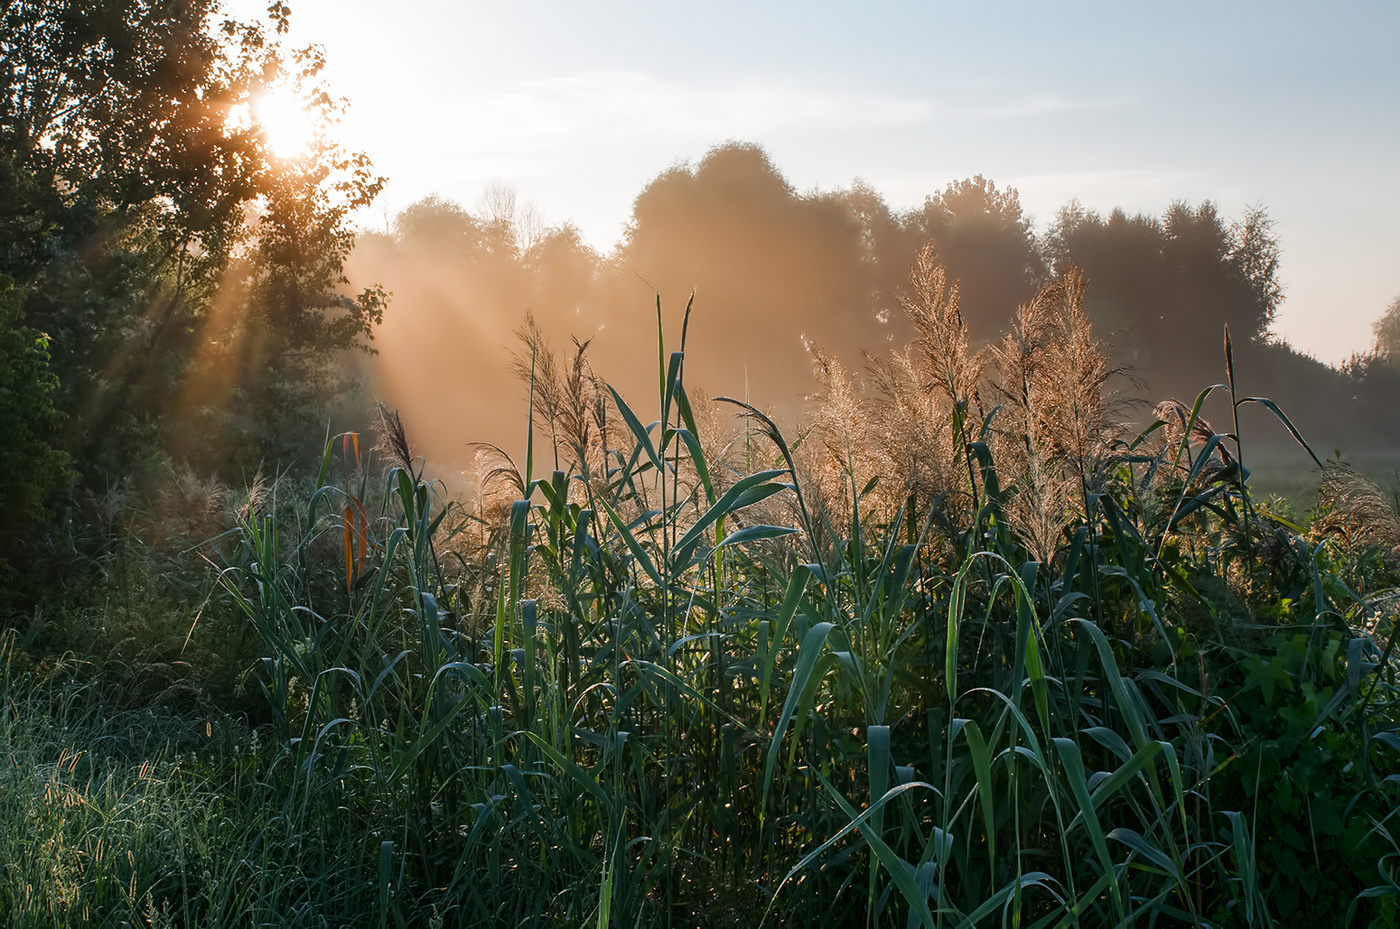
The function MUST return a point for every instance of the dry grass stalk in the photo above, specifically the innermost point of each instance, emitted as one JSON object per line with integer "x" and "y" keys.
{"x": 495, "y": 480}
{"x": 924, "y": 392}
{"x": 570, "y": 402}
{"x": 948, "y": 364}
{"x": 839, "y": 448}
{"x": 1081, "y": 412}
{"x": 257, "y": 500}
{"x": 393, "y": 439}
{"x": 1057, "y": 426}
{"x": 915, "y": 431}
{"x": 1352, "y": 506}
{"x": 185, "y": 509}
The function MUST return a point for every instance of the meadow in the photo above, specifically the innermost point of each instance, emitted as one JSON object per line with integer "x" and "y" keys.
{"x": 962, "y": 648}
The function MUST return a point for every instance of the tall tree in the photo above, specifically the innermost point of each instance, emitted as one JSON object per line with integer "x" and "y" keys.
{"x": 768, "y": 264}
{"x": 1164, "y": 288}
{"x": 138, "y": 194}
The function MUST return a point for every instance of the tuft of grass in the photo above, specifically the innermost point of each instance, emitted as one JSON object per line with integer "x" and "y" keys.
{"x": 931, "y": 663}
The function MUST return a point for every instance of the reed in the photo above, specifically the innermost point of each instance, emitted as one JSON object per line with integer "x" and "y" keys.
{"x": 931, "y": 663}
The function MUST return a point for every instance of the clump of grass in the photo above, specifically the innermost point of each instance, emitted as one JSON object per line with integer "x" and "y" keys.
{"x": 931, "y": 664}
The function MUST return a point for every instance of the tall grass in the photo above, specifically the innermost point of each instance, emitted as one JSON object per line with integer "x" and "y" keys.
{"x": 966, "y": 652}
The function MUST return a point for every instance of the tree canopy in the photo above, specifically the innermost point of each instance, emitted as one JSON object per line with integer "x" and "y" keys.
{"x": 190, "y": 280}
{"x": 31, "y": 469}
{"x": 767, "y": 263}
{"x": 1164, "y": 286}
{"x": 1387, "y": 331}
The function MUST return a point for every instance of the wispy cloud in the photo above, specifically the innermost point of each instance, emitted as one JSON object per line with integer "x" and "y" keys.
{"x": 533, "y": 128}
{"x": 1019, "y": 105}
{"x": 605, "y": 108}
{"x": 1146, "y": 189}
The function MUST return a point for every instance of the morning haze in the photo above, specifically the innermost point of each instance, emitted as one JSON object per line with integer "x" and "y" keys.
{"x": 774, "y": 269}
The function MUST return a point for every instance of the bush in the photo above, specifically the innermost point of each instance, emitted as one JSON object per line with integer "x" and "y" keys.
{"x": 32, "y": 471}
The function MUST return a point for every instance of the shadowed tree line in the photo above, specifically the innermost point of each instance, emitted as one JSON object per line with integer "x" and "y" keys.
{"x": 773, "y": 268}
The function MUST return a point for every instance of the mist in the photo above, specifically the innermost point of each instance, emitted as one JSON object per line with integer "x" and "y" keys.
{"x": 768, "y": 270}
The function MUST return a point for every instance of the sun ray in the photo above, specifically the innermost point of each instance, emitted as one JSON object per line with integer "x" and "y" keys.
{"x": 287, "y": 124}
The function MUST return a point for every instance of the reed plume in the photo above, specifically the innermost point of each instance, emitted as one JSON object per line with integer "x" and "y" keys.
{"x": 837, "y": 450}
{"x": 570, "y": 402}
{"x": 1352, "y": 506}
{"x": 393, "y": 439}
{"x": 937, "y": 379}
{"x": 914, "y": 431}
{"x": 948, "y": 365}
{"x": 1056, "y": 427}
{"x": 184, "y": 509}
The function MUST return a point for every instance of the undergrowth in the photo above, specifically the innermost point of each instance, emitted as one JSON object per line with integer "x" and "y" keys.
{"x": 965, "y": 651}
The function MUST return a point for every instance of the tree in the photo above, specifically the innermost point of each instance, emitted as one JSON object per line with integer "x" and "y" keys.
{"x": 986, "y": 245}
{"x": 1387, "y": 332}
{"x": 768, "y": 266}
{"x": 148, "y": 218}
{"x": 1164, "y": 288}
{"x": 438, "y": 225}
{"x": 565, "y": 270}
{"x": 1255, "y": 253}
{"x": 1219, "y": 277}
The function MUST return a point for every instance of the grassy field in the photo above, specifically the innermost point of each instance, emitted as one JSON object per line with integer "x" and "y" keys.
{"x": 1288, "y": 474}
{"x": 962, "y": 652}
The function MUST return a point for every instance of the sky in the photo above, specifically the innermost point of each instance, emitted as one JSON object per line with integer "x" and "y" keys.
{"x": 1292, "y": 106}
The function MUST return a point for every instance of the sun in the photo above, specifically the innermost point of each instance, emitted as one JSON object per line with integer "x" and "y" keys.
{"x": 286, "y": 123}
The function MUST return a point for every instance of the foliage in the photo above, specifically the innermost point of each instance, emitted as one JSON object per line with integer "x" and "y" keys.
{"x": 984, "y": 240}
{"x": 1165, "y": 281}
{"x": 831, "y": 267}
{"x": 31, "y": 470}
{"x": 1387, "y": 331}
{"x": 185, "y": 275}
{"x": 966, "y": 650}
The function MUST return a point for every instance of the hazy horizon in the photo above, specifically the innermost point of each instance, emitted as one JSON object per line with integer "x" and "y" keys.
{"x": 775, "y": 271}
{"x": 1287, "y": 106}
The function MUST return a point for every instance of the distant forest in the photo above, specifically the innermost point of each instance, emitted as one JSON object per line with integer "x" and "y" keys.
{"x": 772, "y": 267}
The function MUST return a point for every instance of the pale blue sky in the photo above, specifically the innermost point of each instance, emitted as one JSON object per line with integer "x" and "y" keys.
{"x": 577, "y": 105}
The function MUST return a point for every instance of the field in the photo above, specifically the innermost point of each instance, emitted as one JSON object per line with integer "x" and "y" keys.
{"x": 963, "y": 651}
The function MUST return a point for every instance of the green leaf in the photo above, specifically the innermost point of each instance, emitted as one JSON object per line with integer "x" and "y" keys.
{"x": 1074, "y": 770}
{"x": 633, "y": 546}
{"x": 797, "y": 584}
{"x": 807, "y": 657}
{"x": 755, "y": 533}
{"x": 745, "y": 492}
{"x": 641, "y": 433}
{"x": 982, "y": 768}
{"x": 579, "y": 776}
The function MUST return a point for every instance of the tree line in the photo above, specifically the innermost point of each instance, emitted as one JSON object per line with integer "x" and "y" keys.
{"x": 774, "y": 269}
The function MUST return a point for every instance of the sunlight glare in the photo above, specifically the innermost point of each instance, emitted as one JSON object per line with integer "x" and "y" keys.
{"x": 285, "y": 121}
